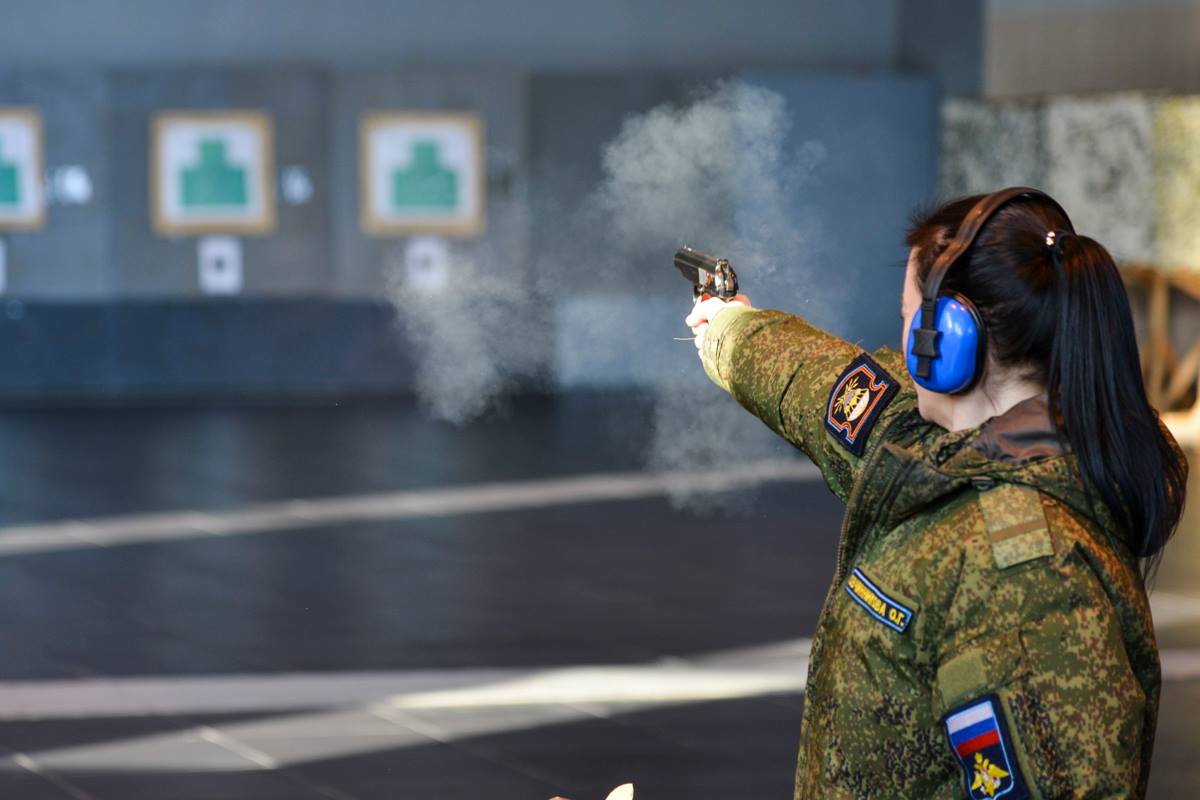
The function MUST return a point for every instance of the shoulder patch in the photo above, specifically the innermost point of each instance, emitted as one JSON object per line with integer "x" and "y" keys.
{"x": 858, "y": 397}
{"x": 886, "y": 609}
{"x": 1016, "y": 524}
{"x": 979, "y": 739}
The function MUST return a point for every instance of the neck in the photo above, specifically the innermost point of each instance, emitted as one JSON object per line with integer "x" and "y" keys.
{"x": 982, "y": 403}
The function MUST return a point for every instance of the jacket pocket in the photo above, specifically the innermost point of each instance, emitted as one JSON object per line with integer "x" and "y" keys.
{"x": 980, "y": 666}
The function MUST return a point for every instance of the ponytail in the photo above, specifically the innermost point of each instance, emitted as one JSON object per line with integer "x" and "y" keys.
{"x": 1098, "y": 400}
{"x": 1054, "y": 305}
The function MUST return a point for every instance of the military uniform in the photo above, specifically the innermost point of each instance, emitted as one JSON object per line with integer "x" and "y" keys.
{"x": 986, "y": 634}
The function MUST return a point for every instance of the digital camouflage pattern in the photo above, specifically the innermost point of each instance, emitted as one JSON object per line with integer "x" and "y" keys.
{"x": 1015, "y": 587}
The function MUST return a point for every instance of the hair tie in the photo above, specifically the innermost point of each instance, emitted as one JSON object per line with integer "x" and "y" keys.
{"x": 1054, "y": 240}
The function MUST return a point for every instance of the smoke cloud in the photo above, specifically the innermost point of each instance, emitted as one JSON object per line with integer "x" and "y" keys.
{"x": 714, "y": 172}
{"x": 475, "y": 330}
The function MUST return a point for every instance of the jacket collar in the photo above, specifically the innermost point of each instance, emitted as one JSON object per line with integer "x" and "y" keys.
{"x": 1018, "y": 446}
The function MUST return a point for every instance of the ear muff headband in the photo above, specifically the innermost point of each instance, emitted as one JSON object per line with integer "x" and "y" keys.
{"x": 925, "y": 344}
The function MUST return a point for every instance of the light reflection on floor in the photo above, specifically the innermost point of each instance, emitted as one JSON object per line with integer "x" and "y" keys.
{"x": 526, "y": 649}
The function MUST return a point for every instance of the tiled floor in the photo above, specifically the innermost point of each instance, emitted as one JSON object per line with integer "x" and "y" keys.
{"x": 380, "y": 658}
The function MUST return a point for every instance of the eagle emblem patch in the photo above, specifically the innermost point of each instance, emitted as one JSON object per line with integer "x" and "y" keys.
{"x": 857, "y": 399}
{"x": 979, "y": 738}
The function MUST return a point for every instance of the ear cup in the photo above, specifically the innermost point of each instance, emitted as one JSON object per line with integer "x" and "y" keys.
{"x": 960, "y": 345}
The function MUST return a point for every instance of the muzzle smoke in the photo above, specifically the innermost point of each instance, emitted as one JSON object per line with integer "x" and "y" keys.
{"x": 714, "y": 172}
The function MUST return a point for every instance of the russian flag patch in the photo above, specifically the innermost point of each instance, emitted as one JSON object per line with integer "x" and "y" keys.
{"x": 979, "y": 740}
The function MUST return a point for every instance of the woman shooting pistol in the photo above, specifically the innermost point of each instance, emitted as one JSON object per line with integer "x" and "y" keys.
{"x": 1008, "y": 488}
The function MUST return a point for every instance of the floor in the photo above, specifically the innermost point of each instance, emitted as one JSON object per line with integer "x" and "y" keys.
{"x": 352, "y": 602}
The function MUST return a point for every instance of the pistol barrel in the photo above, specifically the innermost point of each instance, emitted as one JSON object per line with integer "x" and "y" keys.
{"x": 695, "y": 260}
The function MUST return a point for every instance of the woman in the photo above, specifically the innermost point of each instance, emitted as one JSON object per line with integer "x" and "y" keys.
{"x": 987, "y": 631}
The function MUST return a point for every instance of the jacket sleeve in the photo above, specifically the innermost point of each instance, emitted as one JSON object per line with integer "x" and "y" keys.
{"x": 1038, "y": 648}
{"x": 784, "y": 371}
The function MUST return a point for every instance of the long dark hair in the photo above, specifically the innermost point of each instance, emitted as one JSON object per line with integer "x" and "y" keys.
{"x": 1062, "y": 314}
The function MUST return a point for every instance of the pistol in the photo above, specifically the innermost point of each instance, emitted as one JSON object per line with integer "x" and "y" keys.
{"x": 710, "y": 276}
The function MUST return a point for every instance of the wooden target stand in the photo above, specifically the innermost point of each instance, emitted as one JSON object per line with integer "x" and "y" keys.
{"x": 1169, "y": 377}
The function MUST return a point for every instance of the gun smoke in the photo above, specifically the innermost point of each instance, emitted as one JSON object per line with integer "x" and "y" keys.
{"x": 472, "y": 336}
{"x": 713, "y": 172}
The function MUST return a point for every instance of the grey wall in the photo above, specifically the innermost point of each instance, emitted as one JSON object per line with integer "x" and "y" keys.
{"x": 106, "y": 247}
{"x": 943, "y": 39}
{"x": 553, "y": 82}
{"x": 880, "y": 142}
{"x": 101, "y": 120}
{"x": 569, "y": 34}
{"x": 293, "y": 260}
{"x": 1036, "y": 47}
{"x": 98, "y": 78}
{"x": 178, "y": 350}
{"x": 71, "y": 256}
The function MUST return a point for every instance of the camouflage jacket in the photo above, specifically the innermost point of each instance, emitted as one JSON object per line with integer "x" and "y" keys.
{"x": 985, "y": 634}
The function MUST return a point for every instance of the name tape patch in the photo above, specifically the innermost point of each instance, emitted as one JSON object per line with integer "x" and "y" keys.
{"x": 857, "y": 399}
{"x": 978, "y": 736}
{"x": 883, "y": 608}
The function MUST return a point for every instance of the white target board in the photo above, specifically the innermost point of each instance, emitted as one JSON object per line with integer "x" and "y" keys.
{"x": 22, "y": 194}
{"x": 212, "y": 172}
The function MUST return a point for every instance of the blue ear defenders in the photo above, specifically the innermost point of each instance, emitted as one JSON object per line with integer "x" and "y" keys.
{"x": 947, "y": 342}
{"x": 961, "y": 343}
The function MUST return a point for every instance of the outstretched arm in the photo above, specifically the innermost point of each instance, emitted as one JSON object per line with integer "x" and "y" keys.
{"x": 823, "y": 394}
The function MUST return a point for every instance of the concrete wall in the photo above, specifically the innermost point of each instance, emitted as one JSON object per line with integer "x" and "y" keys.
{"x": 879, "y": 140}
{"x": 293, "y": 260}
{"x": 98, "y": 79}
{"x": 101, "y": 120}
{"x": 1034, "y": 47}
{"x": 71, "y": 257}
{"x": 942, "y": 39}
{"x": 530, "y": 34}
{"x": 181, "y": 350}
{"x": 552, "y": 80}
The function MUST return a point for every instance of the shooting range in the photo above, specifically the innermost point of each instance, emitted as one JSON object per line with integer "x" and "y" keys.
{"x": 352, "y": 445}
